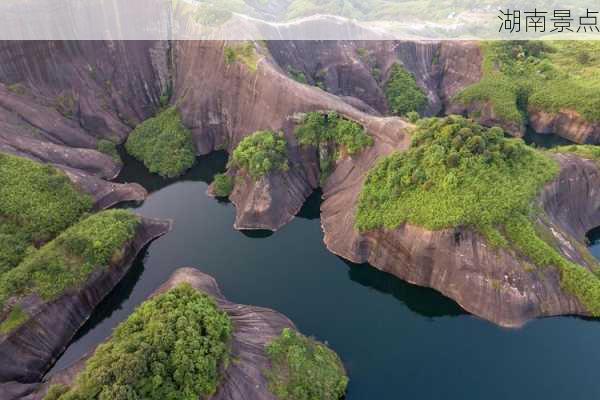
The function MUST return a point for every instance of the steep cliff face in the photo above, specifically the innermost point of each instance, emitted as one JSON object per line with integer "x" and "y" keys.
{"x": 57, "y": 99}
{"x": 30, "y": 350}
{"x": 568, "y": 124}
{"x": 253, "y": 329}
{"x": 358, "y": 71}
{"x": 495, "y": 284}
{"x": 222, "y": 102}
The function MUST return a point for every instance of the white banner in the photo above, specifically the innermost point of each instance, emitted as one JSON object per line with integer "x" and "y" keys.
{"x": 298, "y": 19}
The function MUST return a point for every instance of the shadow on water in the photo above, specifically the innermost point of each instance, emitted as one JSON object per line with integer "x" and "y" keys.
{"x": 257, "y": 233}
{"x": 205, "y": 169}
{"x": 423, "y": 301}
{"x": 117, "y": 297}
{"x": 544, "y": 140}
{"x": 395, "y": 339}
{"x": 312, "y": 206}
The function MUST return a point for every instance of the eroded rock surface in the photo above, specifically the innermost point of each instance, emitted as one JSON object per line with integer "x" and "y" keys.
{"x": 253, "y": 328}
{"x": 30, "y": 350}
{"x": 494, "y": 284}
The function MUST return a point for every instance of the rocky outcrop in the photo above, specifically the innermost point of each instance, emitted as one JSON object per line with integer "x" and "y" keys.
{"x": 223, "y": 103}
{"x": 566, "y": 123}
{"x": 30, "y": 350}
{"x": 57, "y": 99}
{"x": 495, "y": 284}
{"x": 253, "y": 329}
{"x": 360, "y": 69}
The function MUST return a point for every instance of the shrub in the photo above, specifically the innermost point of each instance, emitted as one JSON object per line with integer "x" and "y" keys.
{"x": 37, "y": 202}
{"x": 296, "y": 75}
{"x": 583, "y": 150}
{"x": 55, "y": 391}
{"x": 402, "y": 92}
{"x": 109, "y": 148}
{"x": 65, "y": 104}
{"x": 321, "y": 130}
{"x": 303, "y": 369}
{"x": 223, "y": 185}
{"x": 317, "y": 128}
{"x": 457, "y": 173}
{"x": 68, "y": 260}
{"x": 163, "y": 144}
{"x": 519, "y": 77}
{"x": 171, "y": 347}
{"x": 244, "y": 53}
{"x": 261, "y": 153}
{"x": 413, "y": 116}
{"x": 15, "y": 318}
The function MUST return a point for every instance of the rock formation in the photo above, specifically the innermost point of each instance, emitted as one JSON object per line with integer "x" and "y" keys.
{"x": 223, "y": 102}
{"x": 30, "y": 350}
{"x": 253, "y": 329}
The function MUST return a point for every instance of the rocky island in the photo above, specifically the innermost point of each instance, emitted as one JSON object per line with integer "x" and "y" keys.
{"x": 457, "y": 203}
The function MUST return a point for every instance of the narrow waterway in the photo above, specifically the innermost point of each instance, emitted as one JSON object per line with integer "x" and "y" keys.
{"x": 396, "y": 340}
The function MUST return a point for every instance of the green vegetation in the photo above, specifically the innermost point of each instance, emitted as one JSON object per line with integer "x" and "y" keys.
{"x": 171, "y": 347}
{"x": 65, "y": 104}
{"x": 68, "y": 260}
{"x": 55, "y": 391}
{"x": 261, "y": 153}
{"x": 163, "y": 144}
{"x": 303, "y": 369}
{"x": 109, "y": 148}
{"x": 402, "y": 92}
{"x": 296, "y": 75}
{"x": 317, "y": 128}
{"x": 457, "y": 173}
{"x": 37, "y": 202}
{"x": 223, "y": 185}
{"x": 521, "y": 76}
{"x": 244, "y": 53}
{"x": 413, "y": 116}
{"x": 583, "y": 150}
{"x": 322, "y": 130}
{"x": 16, "y": 318}
{"x": 17, "y": 88}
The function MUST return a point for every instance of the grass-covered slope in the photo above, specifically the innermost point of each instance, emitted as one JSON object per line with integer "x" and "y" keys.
{"x": 304, "y": 369}
{"x": 402, "y": 92}
{"x": 261, "y": 153}
{"x": 163, "y": 144}
{"x": 37, "y": 202}
{"x": 171, "y": 348}
{"x": 583, "y": 150}
{"x": 67, "y": 261}
{"x": 542, "y": 76}
{"x": 458, "y": 174}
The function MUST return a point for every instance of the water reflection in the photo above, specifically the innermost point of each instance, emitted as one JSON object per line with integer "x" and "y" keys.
{"x": 423, "y": 301}
{"x": 544, "y": 140}
{"x": 204, "y": 170}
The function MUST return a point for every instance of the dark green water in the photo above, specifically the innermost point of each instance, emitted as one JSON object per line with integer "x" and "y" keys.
{"x": 544, "y": 140}
{"x": 397, "y": 341}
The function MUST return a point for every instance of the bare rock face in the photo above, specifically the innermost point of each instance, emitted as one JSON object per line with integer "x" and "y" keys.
{"x": 567, "y": 124}
{"x": 360, "y": 69}
{"x": 495, "y": 284}
{"x": 74, "y": 92}
{"x": 253, "y": 329}
{"x": 225, "y": 103}
{"x": 29, "y": 351}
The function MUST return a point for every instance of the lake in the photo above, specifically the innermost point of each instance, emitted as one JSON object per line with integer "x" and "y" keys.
{"x": 396, "y": 340}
